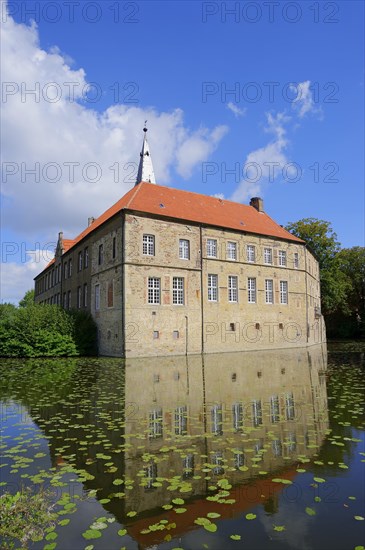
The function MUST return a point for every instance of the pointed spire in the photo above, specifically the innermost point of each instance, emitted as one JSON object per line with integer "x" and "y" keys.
{"x": 145, "y": 168}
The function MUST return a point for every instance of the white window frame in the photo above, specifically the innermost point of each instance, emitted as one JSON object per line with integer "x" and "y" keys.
{"x": 178, "y": 291}
{"x": 268, "y": 256}
{"x": 269, "y": 291}
{"x": 212, "y": 287}
{"x": 251, "y": 253}
{"x": 212, "y": 248}
{"x": 251, "y": 290}
{"x": 85, "y": 295}
{"x": 284, "y": 292}
{"x": 232, "y": 288}
{"x": 282, "y": 258}
{"x": 232, "y": 250}
{"x": 184, "y": 249}
{"x": 86, "y": 257}
{"x": 79, "y": 297}
{"x": 257, "y": 412}
{"x": 97, "y": 297}
{"x": 148, "y": 245}
{"x": 80, "y": 261}
{"x": 154, "y": 290}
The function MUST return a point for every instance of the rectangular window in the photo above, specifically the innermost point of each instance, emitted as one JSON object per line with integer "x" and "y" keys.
{"x": 237, "y": 416}
{"x": 212, "y": 288}
{"x": 282, "y": 258}
{"x": 154, "y": 292}
{"x": 80, "y": 261}
{"x": 64, "y": 300}
{"x": 211, "y": 248}
{"x": 231, "y": 250}
{"x": 70, "y": 268}
{"x": 289, "y": 406}
{"x": 251, "y": 253}
{"x": 79, "y": 297}
{"x": 296, "y": 260}
{"x": 268, "y": 255}
{"x": 149, "y": 245}
{"x": 156, "y": 334}
{"x": 274, "y": 409}
{"x": 69, "y": 304}
{"x": 114, "y": 247}
{"x": 155, "y": 424}
{"x": 110, "y": 293}
{"x": 269, "y": 291}
{"x": 184, "y": 249}
{"x": 86, "y": 257}
{"x": 178, "y": 290}
{"x": 101, "y": 254}
{"x": 85, "y": 295}
{"x": 181, "y": 420}
{"x": 217, "y": 419}
{"x": 97, "y": 297}
{"x": 232, "y": 288}
{"x": 251, "y": 290}
{"x": 256, "y": 413}
{"x": 277, "y": 447}
{"x": 283, "y": 292}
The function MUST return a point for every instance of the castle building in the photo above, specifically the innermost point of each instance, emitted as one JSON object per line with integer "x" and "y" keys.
{"x": 165, "y": 271}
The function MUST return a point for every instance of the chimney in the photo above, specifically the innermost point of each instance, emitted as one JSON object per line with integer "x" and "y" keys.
{"x": 90, "y": 221}
{"x": 257, "y": 203}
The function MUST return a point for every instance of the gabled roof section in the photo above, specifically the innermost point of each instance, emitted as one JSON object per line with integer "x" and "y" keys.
{"x": 194, "y": 207}
{"x": 173, "y": 203}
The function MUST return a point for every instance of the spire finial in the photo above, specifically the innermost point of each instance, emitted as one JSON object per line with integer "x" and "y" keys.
{"x": 145, "y": 168}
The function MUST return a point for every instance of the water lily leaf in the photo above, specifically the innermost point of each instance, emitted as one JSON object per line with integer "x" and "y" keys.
{"x": 279, "y": 528}
{"x": 211, "y": 527}
{"x": 250, "y": 516}
{"x": 310, "y": 511}
{"x": 91, "y": 534}
{"x": 180, "y": 510}
{"x": 359, "y": 518}
{"x": 123, "y": 532}
{"x": 213, "y": 515}
{"x": 131, "y": 514}
{"x": 178, "y": 501}
{"x": 319, "y": 480}
{"x": 235, "y": 537}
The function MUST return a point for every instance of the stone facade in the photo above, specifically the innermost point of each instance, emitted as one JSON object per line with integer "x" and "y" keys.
{"x": 161, "y": 286}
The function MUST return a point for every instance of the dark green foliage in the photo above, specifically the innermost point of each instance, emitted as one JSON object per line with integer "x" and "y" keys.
{"x": 85, "y": 332}
{"x": 342, "y": 274}
{"x": 28, "y": 299}
{"x": 33, "y": 330}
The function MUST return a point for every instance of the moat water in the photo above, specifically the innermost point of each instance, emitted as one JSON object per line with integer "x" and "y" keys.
{"x": 257, "y": 450}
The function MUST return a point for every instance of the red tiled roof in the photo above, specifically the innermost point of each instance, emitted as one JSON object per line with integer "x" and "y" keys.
{"x": 194, "y": 207}
{"x": 191, "y": 207}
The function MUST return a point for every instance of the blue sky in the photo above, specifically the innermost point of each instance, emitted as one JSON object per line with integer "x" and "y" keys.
{"x": 266, "y": 100}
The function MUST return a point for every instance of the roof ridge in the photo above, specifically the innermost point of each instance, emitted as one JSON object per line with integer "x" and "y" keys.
{"x": 134, "y": 194}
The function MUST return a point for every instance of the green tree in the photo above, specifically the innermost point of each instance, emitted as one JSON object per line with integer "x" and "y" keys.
{"x": 322, "y": 241}
{"x": 28, "y": 299}
{"x": 351, "y": 262}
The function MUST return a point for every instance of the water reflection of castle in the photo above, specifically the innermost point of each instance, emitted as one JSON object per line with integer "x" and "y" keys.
{"x": 222, "y": 412}
{"x": 241, "y": 417}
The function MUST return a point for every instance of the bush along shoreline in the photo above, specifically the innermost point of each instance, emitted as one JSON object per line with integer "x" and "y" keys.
{"x": 33, "y": 330}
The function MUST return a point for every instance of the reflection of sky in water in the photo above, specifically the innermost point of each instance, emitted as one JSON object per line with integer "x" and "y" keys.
{"x": 229, "y": 416}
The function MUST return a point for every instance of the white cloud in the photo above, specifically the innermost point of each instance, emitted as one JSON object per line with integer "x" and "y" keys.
{"x": 17, "y": 278}
{"x": 303, "y": 102}
{"x": 266, "y": 163}
{"x": 41, "y": 131}
{"x": 236, "y": 110}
